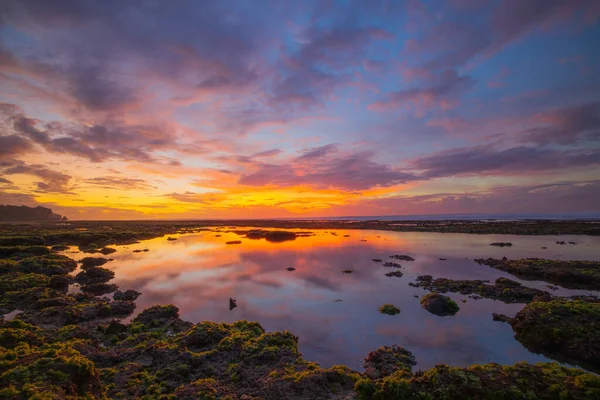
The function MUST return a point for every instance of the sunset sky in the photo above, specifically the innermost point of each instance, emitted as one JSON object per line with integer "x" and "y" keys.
{"x": 254, "y": 109}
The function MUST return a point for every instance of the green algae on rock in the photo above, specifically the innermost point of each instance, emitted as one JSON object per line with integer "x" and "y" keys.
{"x": 565, "y": 330}
{"x": 544, "y": 381}
{"x": 568, "y": 274}
{"x": 389, "y": 309}
{"x": 503, "y": 289}
{"x": 386, "y": 360}
{"x": 439, "y": 304}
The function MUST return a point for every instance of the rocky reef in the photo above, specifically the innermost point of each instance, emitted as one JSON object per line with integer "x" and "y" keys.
{"x": 568, "y": 274}
{"x": 503, "y": 289}
{"x": 565, "y": 330}
{"x": 77, "y": 345}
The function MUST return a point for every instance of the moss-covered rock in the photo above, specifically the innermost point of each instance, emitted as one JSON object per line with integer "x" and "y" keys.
{"x": 547, "y": 381}
{"x": 88, "y": 262}
{"x": 52, "y": 264}
{"x": 389, "y": 309}
{"x": 503, "y": 289}
{"x": 568, "y": 331}
{"x": 439, "y": 304}
{"x": 387, "y": 360}
{"x": 47, "y": 372}
{"x": 569, "y": 274}
{"x": 94, "y": 275}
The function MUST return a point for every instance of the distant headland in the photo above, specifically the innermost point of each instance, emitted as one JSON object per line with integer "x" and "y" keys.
{"x": 24, "y": 213}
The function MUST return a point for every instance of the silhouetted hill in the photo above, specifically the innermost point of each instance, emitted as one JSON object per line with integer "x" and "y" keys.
{"x": 24, "y": 213}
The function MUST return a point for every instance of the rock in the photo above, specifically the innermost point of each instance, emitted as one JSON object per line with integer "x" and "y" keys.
{"x": 59, "y": 247}
{"x": 396, "y": 274}
{"x": 501, "y": 244}
{"x": 439, "y": 304}
{"x": 386, "y": 360}
{"x": 98, "y": 289}
{"x": 347, "y": 271}
{"x": 501, "y": 318}
{"x": 232, "y": 304}
{"x": 234, "y": 242}
{"x": 566, "y": 330}
{"x": 443, "y": 259}
{"x": 107, "y": 250}
{"x": 543, "y": 298}
{"x": 271, "y": 236}
{"x": 390, "y": 264}
{"x": 137, "y": 251}
{"x": 560, "y": 242}
{"x": 56, "y": 302}
{"x": 157, "y": 315}
{"x": 389, "y": 309}
{"x": 88, "y": 262}
{"x": 291, "y": 269}
{"x": 146, "y": 250}
{"x": 573, "y": 274}
{"x": 170, "y": 239}
{"x": 377, "y": 260}
{"x": 94, "y": 275}
{"x": 402, "y": 257}
{"x": 115, "y": 328}
{"x": 61, "y": 282}
{"x": 129, "y": 295}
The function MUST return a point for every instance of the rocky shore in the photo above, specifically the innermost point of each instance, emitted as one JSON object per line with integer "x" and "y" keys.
{"x": 56, "y": 344}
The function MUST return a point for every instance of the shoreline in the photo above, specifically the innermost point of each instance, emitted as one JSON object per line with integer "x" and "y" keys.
{"x": 522, "y": 227}
{"x": 73, "y": 345}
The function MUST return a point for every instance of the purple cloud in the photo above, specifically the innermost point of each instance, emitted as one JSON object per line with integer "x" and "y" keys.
{"x": 324, "y": 167}
{"x": 485, "y": 160}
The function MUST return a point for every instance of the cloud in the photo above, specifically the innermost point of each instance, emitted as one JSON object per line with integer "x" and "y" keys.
{"x": 109, "y": 182}
{"x": 566, "y": 126}
{"x": 96, "y": 142}
{"x": 2, "y": 180}
{"x": 485, "y": 160}
{"x": 323, "y": 60}
{"x": 12, "y": 145}
{"x": 52, "y": 181}
{"x": 324, "y": 167}
{"x": 189, "y": 197}
{"x": 554, "y": 197}
{"x": 441, "y": 93}
{"x": 267, "y": 153}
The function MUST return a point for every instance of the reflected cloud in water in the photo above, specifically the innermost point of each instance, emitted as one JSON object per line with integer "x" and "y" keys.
{"x": 199, "y": 273}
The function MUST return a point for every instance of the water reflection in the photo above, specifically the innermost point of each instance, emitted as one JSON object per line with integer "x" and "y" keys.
{"x": 199, "y": 273}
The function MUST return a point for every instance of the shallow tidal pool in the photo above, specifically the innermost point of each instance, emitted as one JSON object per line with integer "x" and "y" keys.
{"x": 335, "y": 314}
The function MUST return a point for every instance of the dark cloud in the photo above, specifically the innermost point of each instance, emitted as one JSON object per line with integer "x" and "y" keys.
{"x": 3, "y": 180}
{"x": 324, "y": 167}
{"x": 556, "y": 197}
{"x": 12, "y": 145}
{"x": 565, "y": 126}
{"x": 485, "y": 160}
{"x": 96, "y": 143}
{"x": 207, "y": 45}
{"x": 110, "y": 182}
{"x": 52, "y": 181}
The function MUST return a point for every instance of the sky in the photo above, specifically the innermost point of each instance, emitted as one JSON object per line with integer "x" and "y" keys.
{"x": 155, "y": 109}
